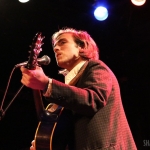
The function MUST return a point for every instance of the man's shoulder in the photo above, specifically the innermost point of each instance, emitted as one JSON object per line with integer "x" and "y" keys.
{"x": 99, "y": 64}
{"x": 96, "y": 62}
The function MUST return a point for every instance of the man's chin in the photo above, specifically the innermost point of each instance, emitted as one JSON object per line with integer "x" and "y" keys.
{"x": 60, "y": 64}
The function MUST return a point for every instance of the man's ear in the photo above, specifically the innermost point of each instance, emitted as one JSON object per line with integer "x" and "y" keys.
{"x": 81, "y": 49}
{"x": 82, "y": 44}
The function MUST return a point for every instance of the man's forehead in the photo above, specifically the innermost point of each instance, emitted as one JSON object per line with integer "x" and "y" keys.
{"x": 62, "y": 36}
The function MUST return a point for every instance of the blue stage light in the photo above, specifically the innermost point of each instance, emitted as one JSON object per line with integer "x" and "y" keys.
{"x": 101, "y": 13}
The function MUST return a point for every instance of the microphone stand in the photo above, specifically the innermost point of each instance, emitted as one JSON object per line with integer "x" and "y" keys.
{"x": 2, "y": 112}
{"x": 45, "y": 60}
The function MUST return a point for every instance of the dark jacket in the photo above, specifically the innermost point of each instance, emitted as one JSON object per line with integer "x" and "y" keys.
{"x": 99, "y": 121}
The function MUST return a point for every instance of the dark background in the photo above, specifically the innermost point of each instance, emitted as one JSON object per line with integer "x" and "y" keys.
{"x": 124, "y": 42}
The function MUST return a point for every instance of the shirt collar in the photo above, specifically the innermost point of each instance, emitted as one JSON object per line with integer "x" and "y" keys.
{"x": 69, "y": 75}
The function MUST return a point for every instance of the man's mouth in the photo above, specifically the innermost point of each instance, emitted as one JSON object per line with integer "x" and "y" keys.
{"x": 58, "y": 54}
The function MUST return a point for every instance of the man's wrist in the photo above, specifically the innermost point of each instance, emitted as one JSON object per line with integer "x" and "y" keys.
{"x": 48, "y": 89}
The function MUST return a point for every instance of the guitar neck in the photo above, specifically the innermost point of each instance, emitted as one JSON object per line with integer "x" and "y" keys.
{"x": 40, "y": 109}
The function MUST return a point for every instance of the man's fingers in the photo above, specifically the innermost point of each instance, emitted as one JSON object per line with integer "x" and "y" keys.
{"x": 33, "y": 145}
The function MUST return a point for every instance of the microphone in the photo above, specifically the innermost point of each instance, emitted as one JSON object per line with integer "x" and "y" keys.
{"x": 45, "y": 60}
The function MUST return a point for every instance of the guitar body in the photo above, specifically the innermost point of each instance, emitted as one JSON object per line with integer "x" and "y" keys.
{"x": 43, "y": 137}
{"x": 54, "y": 132}
{"x": 45, "y": 131}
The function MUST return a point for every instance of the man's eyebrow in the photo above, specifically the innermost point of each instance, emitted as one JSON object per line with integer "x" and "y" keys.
{"x": 58, "y": 41}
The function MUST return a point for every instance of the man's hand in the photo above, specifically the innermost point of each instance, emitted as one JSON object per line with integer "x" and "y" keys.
{"x": 35, "y": 79}
{"x": 33, "y": 145}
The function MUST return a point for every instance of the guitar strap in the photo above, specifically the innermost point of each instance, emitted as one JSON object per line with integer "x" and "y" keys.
{"x": 76, "y": 78}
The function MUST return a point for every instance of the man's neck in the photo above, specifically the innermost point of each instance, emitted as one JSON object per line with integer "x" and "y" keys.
{"x": 70, "y": 66}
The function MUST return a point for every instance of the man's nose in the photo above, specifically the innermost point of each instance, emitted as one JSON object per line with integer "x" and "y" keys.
{"x": 56, "y": 48}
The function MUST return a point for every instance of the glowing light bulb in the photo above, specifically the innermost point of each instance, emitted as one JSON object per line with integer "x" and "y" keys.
{"x": 138, "y": 2}
{"x": 101, "y": 13}
{"x": 23, "y": 1}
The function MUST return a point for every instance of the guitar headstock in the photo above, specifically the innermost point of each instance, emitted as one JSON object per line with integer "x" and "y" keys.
{"x": 35, "y": 50}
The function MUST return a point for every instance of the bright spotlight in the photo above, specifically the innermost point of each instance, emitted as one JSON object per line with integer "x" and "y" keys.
{"x": 23, "y": 1}
{"x": 138, "y": 2}
{"x": 101, "y": 13}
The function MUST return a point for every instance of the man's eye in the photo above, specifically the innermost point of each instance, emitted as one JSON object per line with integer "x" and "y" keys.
{"x": 62, "y": 42}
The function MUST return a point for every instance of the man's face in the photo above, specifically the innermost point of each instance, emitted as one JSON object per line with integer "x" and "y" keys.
{"x": 66, "y": 51}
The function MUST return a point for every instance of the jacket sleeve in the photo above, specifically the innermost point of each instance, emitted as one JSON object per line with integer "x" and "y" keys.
{"x": 90, "y": 93}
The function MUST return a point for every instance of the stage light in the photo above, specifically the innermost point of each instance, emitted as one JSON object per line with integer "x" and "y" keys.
{"x": 101, "y": 13}
{"x": 138, "y": 2}
{"x": 23, "y": 1}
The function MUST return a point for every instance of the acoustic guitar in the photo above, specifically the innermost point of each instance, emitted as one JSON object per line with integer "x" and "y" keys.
{"x": 46, "y": 135}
